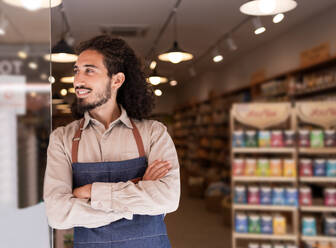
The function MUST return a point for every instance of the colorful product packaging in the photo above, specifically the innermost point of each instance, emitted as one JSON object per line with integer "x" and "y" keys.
{"x": 253, "y": 245}
{"x": 254, "y": 225}
{"x": 330, "y": 197}
{"x": 240, "y": 195}
{"x": 309, "y": 226}
{"x": 289, "y": 168}
{"x": 319, "y": 167}
{"x": 265, "y": 245}
{"x": 278, "y": 246}
{"x": 250, "y": 167}
{"x": 306, "y": 167}
{"x": 266, "y": 224}
{"x": 238, "y": 167}
{"x": 253, "y": 195}
{"x": 291, "y": 197}
{"x": 317, "y": 138}
{"x": 241, "y": 223}
{"x": 276, "y": 167}
{"x": 329, "y": 138}
{"x": 331, "y": 168}
{"x": 266, "y": 195}
{"x": 304, "y": 139}
{"x": 263, "y": 168}
{"x": 323, "y": 244}
{"x": 330, "y": 226}
{"x": 305, "y": 196}
{"x": 278, "y": 196}
{"x": 279, "y": 225}
{"x": 251, "y": 139}
{"x": 289, "y": 138}
{"x": 310, "y": 244}
{"x": 264, "y": 139}
{"x": 238, "y": 139}
{"x": 277, "y": 139}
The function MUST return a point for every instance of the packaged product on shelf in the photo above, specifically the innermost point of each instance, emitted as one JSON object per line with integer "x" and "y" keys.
{"x": 306, "y": 167}
{"x": 238, "y": 139}
{"x": 289, "y": 168}
{"x": 291, "y": 196}
{"x": 289, "y": 138}
{"x": 323, "y": 244}
{"x": 316, "y": 138}
{"x": 278, "y": 196}
{"x": 330, "y": 197}
{"x": 310, "y": 244}
{"x": 329, "y": 226}
{"x": 241, "y": 223}
{"x": 266, "y": 224}
{"x": 266, "y": 245}
{"x": 238, "y": 167}
{"x": 304, "y": 139}
{"x": 253, "y": 195}
{"x": 276, "y": 167}
{"x": 305, "y": 196}
{"x": 278, "y": 246}
{"x": 263, "y": 167}
{"x": 264, "y": 139}
{"x": 319, "y": 167}
{"x": 291, "y": 246}
{"x": 309, "y": 226}
{"x": 279, "y": 225}
{"x": 250, "y": 167}
{"x": 329, "y": 138}
{"x": 253, "y": 245}
{"x": 277, "y": 139}
{"x": 266, "y": 195}
{"x": 331, "y": 168}
{"x": 251, "y": 139}
{"x": 254, "y": 225}
{"x": 240, "y": 195}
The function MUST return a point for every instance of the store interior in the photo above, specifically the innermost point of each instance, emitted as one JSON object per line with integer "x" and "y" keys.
{"x": 249, "y": 106}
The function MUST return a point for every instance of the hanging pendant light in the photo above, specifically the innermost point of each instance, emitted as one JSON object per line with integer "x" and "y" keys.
{"x": 175, "y": 54}
{"x": 156, "y": 79}
{"x": 267, "y": 7}
{"x": 61, "y": 53}
{"x": 33, "y": 5}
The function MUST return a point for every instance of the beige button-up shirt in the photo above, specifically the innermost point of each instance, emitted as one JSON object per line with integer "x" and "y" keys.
{"x": 109, "y": 201}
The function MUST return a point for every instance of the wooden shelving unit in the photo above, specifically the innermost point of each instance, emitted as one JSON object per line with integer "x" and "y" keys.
{"x": 319, "y": 209}
{"x": 264, "y": 150}
{"x": 264, "y": 208}
{"x": 250, "y": 236}
{"x": 318, "y": 238}
{"x": 264, "y": 179}
{"x": 319, "y": 180}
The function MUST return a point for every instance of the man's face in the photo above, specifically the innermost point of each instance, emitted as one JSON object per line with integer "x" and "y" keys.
{"x": 92, "y": 83}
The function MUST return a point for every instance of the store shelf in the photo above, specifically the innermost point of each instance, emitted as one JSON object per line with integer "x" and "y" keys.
{"x": 318, "y": 209}
{"x": 264, "y": 207}
{"x": 263, "y": 150}
{"x": 264, "y": 236}
{"x": 322, "y": 150}
{"x": 264, "y": 179}
{"x": 317, "y": 179}
{"x": 318, "y": 238}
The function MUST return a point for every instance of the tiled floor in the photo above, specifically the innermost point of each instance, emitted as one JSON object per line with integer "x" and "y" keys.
{"x": 192, "y": 226}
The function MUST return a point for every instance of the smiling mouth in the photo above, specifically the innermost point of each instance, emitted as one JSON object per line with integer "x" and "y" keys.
{"x": 82, "y": 93}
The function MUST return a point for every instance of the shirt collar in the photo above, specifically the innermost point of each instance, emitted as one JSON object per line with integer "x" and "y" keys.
{"x": 123, "y": 118}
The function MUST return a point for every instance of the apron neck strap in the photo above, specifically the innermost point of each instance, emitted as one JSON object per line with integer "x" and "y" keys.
{"x": 78, "y": 134}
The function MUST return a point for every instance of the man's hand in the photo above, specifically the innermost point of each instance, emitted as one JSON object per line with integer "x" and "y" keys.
{"x": 157, "y": 170}
{"x": 83, "y": 192}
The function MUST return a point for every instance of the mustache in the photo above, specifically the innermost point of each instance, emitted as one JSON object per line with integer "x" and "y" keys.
{"x": 82, "y": 87}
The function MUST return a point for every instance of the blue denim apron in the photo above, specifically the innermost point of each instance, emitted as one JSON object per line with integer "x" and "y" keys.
{"x": 143, "y": 231}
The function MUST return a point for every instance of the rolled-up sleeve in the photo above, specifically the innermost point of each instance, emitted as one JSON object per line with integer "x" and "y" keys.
{"x": 146, "y": 197}
{"x": 62, "y": 208}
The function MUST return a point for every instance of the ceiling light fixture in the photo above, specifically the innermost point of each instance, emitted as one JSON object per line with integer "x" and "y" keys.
{"x": 267, "y": 7}
{"x": 173, "y": 83}
{"x": 258, "y": 27}
{"x": 33, "y": 5}
{"x": 68, "y": 80}
{"x": 3, "y": 24}
{"x": 33, "y": 65}
{"x": 156, "y": 79}
{"x": 153, "y": 65}
{"x": 175, "y": 54}
{"x": 23, "y": 53}
{"x": 278, "y": 18}
{"x": 232, "y": 45}
{"x": 216, "y": 56}
{"x": 158, "y": 92}
{"x": 63, "y": 92}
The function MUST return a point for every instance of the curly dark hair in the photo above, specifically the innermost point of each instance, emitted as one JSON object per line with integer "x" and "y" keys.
{"x": 135, "y": 94}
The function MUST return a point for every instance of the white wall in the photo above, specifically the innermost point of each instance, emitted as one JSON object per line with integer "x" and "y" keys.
{"x": 278, "y": 56}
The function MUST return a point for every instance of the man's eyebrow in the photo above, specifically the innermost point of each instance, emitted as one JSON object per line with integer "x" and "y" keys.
{"x": 87, "y": 65}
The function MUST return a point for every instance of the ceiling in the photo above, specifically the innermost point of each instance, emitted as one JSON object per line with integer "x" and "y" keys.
{"x": 200, "y": 24}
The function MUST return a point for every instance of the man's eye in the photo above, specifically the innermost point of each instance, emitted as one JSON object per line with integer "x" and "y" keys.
{"x": 89, "y": 70}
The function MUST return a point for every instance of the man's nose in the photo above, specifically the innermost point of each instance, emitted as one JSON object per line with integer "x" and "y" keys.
{"x": 78, "y": 80}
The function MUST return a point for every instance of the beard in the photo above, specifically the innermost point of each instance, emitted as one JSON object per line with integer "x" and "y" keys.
{"x": 102, "y": 98}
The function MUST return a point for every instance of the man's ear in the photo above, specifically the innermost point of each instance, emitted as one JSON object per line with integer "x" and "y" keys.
{"x": 117, "y": 80}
